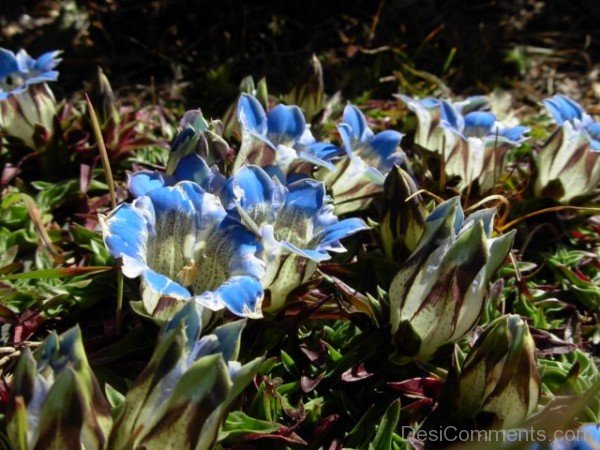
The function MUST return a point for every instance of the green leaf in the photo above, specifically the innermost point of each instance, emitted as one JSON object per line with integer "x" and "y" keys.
{"x": 239, "y": 424}
{"x": 387, "y": 426}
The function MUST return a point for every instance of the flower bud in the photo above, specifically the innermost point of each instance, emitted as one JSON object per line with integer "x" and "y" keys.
{"x": 438, "y": 296}
{"x": 55, "y": 399}
{"x": 181, "y": 398}
{"x": 500, "y": 374}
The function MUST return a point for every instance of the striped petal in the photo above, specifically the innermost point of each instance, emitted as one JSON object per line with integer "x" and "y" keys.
{"x": 242, "y": 295}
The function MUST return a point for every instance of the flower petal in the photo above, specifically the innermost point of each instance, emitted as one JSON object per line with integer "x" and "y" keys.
{"x": 140, "y": 183}
{"x": 355, "y": 119}
{"x": 242, "y": 295}
{"x": 386, "y": 143}
{"x": 331, "y": 236}
{"x": 251, "y": 115}
{"x": 306, "y": 195}
{"x": 478, "y": 123}
{"x": 161, "y": 285}
{"x": 125, "y": 233}
{"x": 8, "y": 63}
{"x": 285, "y": 124}
{"x": 562, "y": 108}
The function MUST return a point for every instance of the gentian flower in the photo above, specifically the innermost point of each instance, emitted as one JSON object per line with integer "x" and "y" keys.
{"x": 18, "y": 71}
{"x": 369, "y": 157}
{"x": 25, "y": 99}
{"x": 198, "y": 154}
{"x": 279, "y": 141}
{"x": 481, "y": 145}
{"x": 295, "y": 223}
{"x": 182, "y": 244}
{"x": 429, "y": 134}
{"x": 568, "y": 165}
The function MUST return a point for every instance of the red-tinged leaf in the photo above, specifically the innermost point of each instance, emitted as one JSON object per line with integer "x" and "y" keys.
{"x": 309, "y": 384}
{"x": 582, "y": 276}
{"x": 427, "y": 387}
{"x": 285, "y": 434}
{"x": 416, "y": 410}
{"x": 325, "y": 425}
{"x": 58, "y": 272}
{"x": 548, "y": 344}
{"x": 336, "y": 445}
{"x": 28, "y": 324}
{"x": 356, "y": 373}
{"x": 7, "y": 315}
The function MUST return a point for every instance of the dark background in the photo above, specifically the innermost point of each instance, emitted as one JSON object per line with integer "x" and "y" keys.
{"x": 198, "y": 51}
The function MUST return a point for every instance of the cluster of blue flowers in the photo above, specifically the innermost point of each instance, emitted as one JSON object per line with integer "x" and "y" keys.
{"x": 222, "y": 240}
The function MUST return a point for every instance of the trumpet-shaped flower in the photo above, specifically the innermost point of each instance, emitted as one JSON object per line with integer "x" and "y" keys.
{"x": 429, "y": 134}
{"x": 569, "y": 163}
{"x": 279, "y": 141}
{"x": 481, "y": 145}
{"x": 182, "y": 244}
{"x": 369, "y": 157}
{"x": 296, "y": 225}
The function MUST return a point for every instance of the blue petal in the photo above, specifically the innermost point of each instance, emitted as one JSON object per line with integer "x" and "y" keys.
{"x": 355, "y": 119}
{"x": 125, "y": 233}
{"x": 346, "y": 134}
{"x": 164, "y": 286}
{"x": 306, "y": 195}
{"x": 339, "y": 230}
{"x": 450, "y": 116}
{"x": 386, "y": 143}
{"x": 285, "y": 122}
{"x": 242, "y": 295}
{"x": 317, "y": 255}
{"x": 244, "y": 249}
{"x": 8, "y": 63}
{"x": 140, "y": 183}
{"x": 47, "y": 61}
{"x": 479, "y": 123}
{"x": 593, "y": 431}
{"x": 170, "y": 199}
{"x": 430, "y": 102}
{"x": 325, "y": 150}
{"x": 251, "y": 115}
{"x": 253, "y": 184}
{"x": 515, "y": 134}
{"x": 192, "y": 168}
{"x": 593, "y": 132}
{"x": 562, "y": 108}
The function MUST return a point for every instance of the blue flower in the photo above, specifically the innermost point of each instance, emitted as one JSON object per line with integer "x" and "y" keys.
{"x": 475, "y": 145}
{"x": 429, "y": 134}
{"x": 564, "y": 110}
{"x": 279, "y": 141}
{"x": 295, "y": 223}
{"x": 19, "y": 71}
{"x": 189, "y": 168}
{"x": 481, "y": 125}
{"x": 369, "y": 157}
{"x": 183, "y": 245}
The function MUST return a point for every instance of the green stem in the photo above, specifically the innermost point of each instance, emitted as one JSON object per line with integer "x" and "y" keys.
{"x": 113, "y": 200}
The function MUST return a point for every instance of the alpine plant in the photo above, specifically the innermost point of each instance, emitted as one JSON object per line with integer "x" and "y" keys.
{"x": 500, "y": 375}
{"x": 56, "y": 401}
{"x": 568, "y": 165}
{"x": 296, "y": 226}
{"x": 279, "y": 141}
{"x": 27, "y": 105}
{"x": 438, "y": 295}
{"x": 360, "y": 172}
{"x": 181, "y": 398}
{"x": 181, "y": 242}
